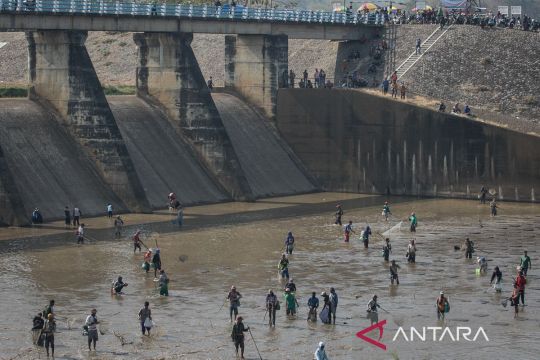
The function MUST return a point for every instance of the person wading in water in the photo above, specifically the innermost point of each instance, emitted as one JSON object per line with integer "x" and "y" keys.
{"x": 387, "y": 249}
{"x": 289, "y": 243}
{"x": 234, "y": 302}
{"x": 237, "y": 336}
{"x": 348, "y": 230}
{"x": 443, "y": 306}
{"x": 339, "y": 214}
{"x": 313, "y": 305}
{"x": 271, "y": 307}
{"x": 469, "y": 248}
{"x": 394, "y": 272}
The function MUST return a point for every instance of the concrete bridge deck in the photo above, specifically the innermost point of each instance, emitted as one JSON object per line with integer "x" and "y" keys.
{"x": 90, "y": 15}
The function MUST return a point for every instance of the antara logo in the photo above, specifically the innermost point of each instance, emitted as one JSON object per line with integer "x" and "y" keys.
{"x": 461, "y": 333}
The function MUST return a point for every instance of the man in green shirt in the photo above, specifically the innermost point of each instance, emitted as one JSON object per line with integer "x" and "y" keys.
{"x": 290, "y": 302}
{"x": 525, "y": 263}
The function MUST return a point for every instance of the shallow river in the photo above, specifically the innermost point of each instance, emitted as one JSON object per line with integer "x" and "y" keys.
{"x": 190, "y": 325}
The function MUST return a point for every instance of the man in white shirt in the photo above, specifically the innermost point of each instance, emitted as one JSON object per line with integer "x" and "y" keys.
{"x": 80, "y": 234}
{"x": 91, "y": 323}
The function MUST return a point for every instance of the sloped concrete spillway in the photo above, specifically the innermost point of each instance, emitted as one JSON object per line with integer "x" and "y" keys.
{"x": 268, "y": 166}
{"x": 163, "y": 162}
{"x": 49, "y": 168}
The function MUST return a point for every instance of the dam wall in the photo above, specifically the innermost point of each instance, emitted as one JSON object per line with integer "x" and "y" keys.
{"x": 163, "y": 161}
{"x": 356, "y": 142}
{"x": 44, "y": 166}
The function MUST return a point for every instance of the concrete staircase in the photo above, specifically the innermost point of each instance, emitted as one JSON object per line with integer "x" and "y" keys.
{"x": 426, "y": 45}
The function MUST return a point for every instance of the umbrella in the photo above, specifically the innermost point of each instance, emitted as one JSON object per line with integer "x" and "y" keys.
{"x": 368, "y": 7}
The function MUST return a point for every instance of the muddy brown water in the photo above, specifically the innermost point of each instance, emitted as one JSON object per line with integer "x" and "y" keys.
{"x": 190, "y": 325}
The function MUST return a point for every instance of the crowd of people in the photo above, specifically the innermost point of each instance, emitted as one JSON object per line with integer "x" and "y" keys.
{"x": 444, "y": 17}
{"x": 44, "y": 323}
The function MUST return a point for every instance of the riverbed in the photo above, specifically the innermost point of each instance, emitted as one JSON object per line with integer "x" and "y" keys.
{"x": 209, "y": 255}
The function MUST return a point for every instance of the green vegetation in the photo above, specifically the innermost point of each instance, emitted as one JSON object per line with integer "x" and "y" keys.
{"x": 119, "y": 90}
{"x": 13, "y": 91}
{"x": 22, "y": 91}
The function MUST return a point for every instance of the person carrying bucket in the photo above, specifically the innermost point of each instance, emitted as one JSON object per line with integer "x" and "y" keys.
{"x": 443, "y": 306}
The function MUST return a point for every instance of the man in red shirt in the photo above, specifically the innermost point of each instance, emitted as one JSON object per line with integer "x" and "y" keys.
{"x": 520, "y": 284}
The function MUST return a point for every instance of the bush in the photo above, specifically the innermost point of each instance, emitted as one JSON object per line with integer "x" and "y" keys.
{"x": 12, "y": 92}
{"x": 119, "y": 90}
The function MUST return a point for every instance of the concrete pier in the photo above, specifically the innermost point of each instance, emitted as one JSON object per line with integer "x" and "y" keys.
{"x": 63, "y": 78}
{"x": 255, "y": 67}
{"x": 168, "y": 75}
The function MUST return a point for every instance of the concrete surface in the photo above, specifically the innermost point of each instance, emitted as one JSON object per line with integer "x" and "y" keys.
{"x": 169, "y": 76}
{"x": 353, "y": 141}
{"x": 162, "y": 160}
{"x": 255, "y": 67}
{"x": 49, "y": 167}
{"x": 30, "y": 22}
{"x": 269, "y": 169}
{"x": 63, "y": 79}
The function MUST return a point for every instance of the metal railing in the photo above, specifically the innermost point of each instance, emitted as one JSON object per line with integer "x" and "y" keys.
{"x": 210, "y": 12}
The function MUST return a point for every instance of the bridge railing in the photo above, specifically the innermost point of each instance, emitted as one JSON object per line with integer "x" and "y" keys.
{"x": 225, "y": 12}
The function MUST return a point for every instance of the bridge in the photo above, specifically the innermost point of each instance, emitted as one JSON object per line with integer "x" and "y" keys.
{"x": 102, "y": 15}
{"x": 62, "y": 78}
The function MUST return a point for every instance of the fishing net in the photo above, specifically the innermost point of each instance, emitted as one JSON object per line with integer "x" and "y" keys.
{"x": 393, "y": 229}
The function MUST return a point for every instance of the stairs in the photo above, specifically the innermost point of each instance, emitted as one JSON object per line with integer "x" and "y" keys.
{"x": 426, "y": 45}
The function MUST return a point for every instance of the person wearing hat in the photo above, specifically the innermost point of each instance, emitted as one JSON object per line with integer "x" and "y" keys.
{"x": 234, "y": 302}
{"x": 147, "y": 260}
{"x": 163, "y": 283}
{"x": 91, "y": 324}
{"x": 394, "y": 272}
{"x": 372, "y": 313}
{"x": 413, "y": 221}
{"x": 442, "y": 306}
{"x": 320, "y": 353}
{"x": 339, "y": 214}
{"x": 520, "y": 284}
{"x": 283, "y": 267}
{"x": 386, "y": 211}
{"x": 290, "y": 302}
{"x": 49, "y": 328}
{"x": 136, "y": 238}
{"x": 237, "y": 336}
{"x": 118, "y": 225}
{"x": 271, "y": 307}
{"x": 118, "y": 286}
{"x": 313, "y": 305}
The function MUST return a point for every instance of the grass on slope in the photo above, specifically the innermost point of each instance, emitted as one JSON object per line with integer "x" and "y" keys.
{"x": 15, "y": 91}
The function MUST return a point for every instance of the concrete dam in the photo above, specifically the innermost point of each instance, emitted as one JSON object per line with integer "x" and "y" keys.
{"x": 43, "y": 166}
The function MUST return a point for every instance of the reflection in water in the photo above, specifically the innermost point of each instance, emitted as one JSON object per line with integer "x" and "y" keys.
{"x": 204, "y": 262}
